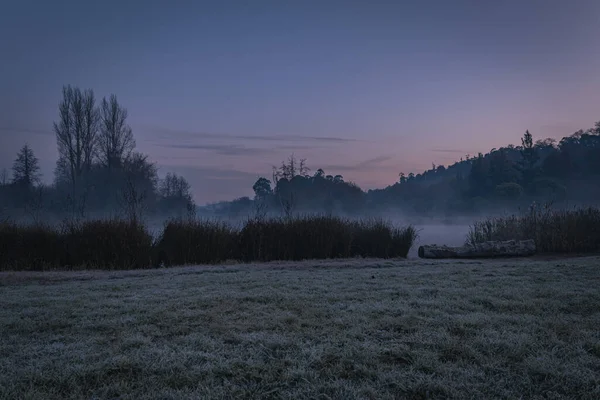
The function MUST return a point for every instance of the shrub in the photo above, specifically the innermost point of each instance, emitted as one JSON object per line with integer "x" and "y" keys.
{"x": 554, "y": 231}
{"x": 107, "y": 244}
{"x": 315, "y": 237}
{"x": 117, "y": 244}
{"x": 34, "y": 247}
{"x": 379, "y": 238}
{"x": 190, "y": 241}
{"x": 321, "y": 237}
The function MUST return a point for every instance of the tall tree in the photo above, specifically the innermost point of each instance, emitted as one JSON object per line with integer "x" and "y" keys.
{"x": 174, "y": 186}
{"x": 26, "y": 170}
{"x": 596, "y": 128}
{"x": 529, "y": 158}
{"x": 479, "y": 176}
{"x": 303, "y": 170}
{"x": 115, "y": 142}
{"x": 262, "y": 188}
{"x": 402, "y": 177}
{"x": 500, "y": 169}
{"x": 76, "y": 132}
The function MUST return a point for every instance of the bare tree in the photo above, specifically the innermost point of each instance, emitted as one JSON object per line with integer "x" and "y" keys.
{"x": 175, "y": 194}
{"x": 303, "y": 170}
{"x": 116, "y": 142}
{"x": 26, "y": 170}
{"x": 276, "y": 175}
{"x": 76, "y": 132}
{"x": 174, "y": 186}
{"x": 291, "y": 167}
{"x": 133, "y": 200}
{"x": 288, "y": 205}
{"x": 91, "y": 119}
{"x": 290, "y": 170}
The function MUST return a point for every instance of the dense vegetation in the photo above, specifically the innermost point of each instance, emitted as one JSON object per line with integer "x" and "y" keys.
{"x": 512, "y": 177}
{"x": 119, "y": 244}
{"x": 554, "y": 231}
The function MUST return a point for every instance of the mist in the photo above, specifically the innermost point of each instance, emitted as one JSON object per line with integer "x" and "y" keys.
{"x": 101, "y": 174}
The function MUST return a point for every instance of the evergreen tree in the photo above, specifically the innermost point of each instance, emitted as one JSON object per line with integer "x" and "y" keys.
{"x": 26, "y": 170}
{"x": 529, "y": 158}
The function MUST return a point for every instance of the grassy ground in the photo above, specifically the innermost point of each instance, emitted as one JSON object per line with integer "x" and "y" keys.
{"x": 324, "y": 330}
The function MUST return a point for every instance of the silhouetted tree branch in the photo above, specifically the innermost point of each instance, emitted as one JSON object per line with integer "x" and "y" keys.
{"x": 116, "y": 142}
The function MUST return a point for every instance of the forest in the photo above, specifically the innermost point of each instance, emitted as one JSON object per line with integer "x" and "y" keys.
{"x": 565, "y": 173}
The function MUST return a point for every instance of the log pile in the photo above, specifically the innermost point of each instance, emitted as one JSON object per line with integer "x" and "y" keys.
{"x": 509, "y": 248}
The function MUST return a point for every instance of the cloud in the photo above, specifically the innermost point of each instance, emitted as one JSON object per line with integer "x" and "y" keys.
{"x": 14, "y": 130}
{"x": 209, "y": 172}
{"x": 457, "y": 151}
{"x": 372, "y": 163}
{"x": 297, "y": 147}
{"x": 221, "y": 149}
{"x": 171, "y": 134}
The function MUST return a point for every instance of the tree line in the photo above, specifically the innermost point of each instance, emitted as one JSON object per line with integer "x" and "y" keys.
{"x": 564, "y": 172}
{"x": 98, "y": 170}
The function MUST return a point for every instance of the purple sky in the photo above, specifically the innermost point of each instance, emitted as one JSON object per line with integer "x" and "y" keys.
{"x": 219, "y": 91}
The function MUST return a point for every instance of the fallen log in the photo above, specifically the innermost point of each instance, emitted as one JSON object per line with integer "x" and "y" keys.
{"x": 509, "y": 248}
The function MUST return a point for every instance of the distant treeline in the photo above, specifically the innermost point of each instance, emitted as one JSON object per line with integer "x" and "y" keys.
{"x": 512, "y": 177}
{"x": 98, "y": 171}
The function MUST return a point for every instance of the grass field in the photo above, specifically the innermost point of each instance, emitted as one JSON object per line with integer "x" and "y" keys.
{"x": 324, "y": 330}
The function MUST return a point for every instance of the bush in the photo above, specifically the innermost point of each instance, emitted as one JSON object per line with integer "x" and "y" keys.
{"x": 110, "y": 244}
{"x": 322, "y": 237}
{"x": 554, "y": 231}
{"x": 116, "y": 244}
{"x": 195, "y": 242}
{"x": 379, "y": 238}
{"x": 107, "y": 244}
{"x": 34, "y": 248}
{"x": 295, "y": 239}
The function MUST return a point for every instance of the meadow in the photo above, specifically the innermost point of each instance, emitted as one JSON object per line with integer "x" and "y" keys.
{"x": 336, "y": 329}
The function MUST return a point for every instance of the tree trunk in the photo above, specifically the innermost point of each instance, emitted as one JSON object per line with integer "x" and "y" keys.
{"x": 509, "y": 248}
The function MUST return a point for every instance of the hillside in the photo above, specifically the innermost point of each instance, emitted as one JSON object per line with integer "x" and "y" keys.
{"x": 512, "y": 177}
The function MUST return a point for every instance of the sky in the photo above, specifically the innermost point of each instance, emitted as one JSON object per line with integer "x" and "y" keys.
{"x": 219, "y": 91}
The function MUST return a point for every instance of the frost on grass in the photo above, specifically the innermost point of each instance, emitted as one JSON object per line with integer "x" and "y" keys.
{"x": 339, "y": 330}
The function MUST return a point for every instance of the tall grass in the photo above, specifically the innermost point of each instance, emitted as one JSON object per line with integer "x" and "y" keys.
{"x": 118, "y": 244}
{"x": 302, "y": 238}
{"x": 105, "y": 244}
{"x": 381, "y": 239}
{"x": 554, "y": 231}
{"x": 35, "y": 247}
{"x": 295, "y": 239}
{"x": 195, "y": 242}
